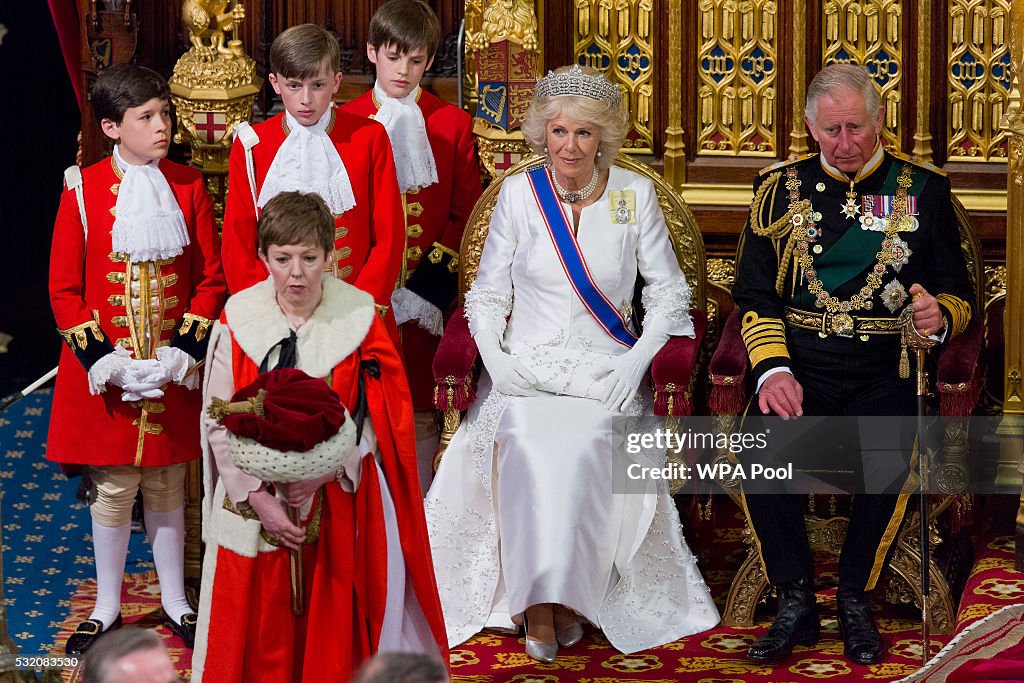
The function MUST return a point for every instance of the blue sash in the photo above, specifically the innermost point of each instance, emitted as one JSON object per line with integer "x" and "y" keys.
{"x": 568, "y": 250}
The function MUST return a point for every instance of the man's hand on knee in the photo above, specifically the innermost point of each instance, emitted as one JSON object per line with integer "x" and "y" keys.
{"x": 781, "y": 394}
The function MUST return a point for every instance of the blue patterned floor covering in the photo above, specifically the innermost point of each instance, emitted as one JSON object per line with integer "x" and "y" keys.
{"x": 47, "y": 545}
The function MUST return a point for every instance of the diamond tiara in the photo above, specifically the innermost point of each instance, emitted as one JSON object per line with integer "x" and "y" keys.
{"x": 575, "y": 82}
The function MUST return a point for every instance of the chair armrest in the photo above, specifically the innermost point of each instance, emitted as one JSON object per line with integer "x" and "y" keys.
{"x": 454, "y": 388}
{"x": 672, "y": 370}
{"x": 728, "y": 370}
{"x": 959, "y": 374}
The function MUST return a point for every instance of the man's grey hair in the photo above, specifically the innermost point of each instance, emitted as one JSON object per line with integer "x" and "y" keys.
{"x": 401, "y": 667}
{"x": 112, "y": 646}
{"x": 836, "y": 77}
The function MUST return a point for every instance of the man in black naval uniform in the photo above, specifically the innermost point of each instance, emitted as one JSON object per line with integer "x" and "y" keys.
{"x": 836, "y": 246}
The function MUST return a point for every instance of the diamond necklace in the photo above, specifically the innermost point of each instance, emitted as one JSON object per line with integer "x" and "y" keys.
{"x": 573, "y": 196}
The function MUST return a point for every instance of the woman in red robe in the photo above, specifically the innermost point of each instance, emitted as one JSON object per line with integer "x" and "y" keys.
{"x": 367, "y": 574}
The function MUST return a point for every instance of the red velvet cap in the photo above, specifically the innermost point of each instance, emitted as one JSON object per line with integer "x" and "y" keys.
{"x": 299, "y": 411}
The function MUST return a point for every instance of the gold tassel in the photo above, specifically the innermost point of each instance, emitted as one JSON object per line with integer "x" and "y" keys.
{"x": 219, "y": 408}
{"x": 904, "y": 358}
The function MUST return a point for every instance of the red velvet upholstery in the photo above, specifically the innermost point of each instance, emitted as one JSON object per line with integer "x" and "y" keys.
{"x": 728, "y": 370}
{"x": 960, "y": 375}
{"x": 672, "y": 370}
{"x": 453, "y": 365}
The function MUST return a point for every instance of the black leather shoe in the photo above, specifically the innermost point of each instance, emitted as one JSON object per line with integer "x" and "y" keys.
{"x": 795, "y": 624}
{"x": 185, "y": 629}
{"x": 862, "y": 643}
{"x": 87, "y": 633}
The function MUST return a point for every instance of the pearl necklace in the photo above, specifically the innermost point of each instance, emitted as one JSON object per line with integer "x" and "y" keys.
{"x": 573, "y": 196}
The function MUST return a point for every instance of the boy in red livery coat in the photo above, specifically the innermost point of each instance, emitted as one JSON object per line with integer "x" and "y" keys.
{"x": 313, "y": 147}
{"x": 368, "y": 582}
{"x": 135, "y": 284}
{"x": 439, "y": 175}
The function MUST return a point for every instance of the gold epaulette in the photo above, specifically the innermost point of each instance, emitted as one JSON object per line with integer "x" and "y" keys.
{"x": 920, "y": 164}
{"x": 762, "y": 225}
{"x": 786, "y": 162}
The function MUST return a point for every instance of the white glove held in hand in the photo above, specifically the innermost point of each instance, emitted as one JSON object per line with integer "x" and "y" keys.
{"x": 141, "y": 379}
{"x": 508, "y": 374}
{"x": 626, "y": 371}
{"x": 178, "y": 363}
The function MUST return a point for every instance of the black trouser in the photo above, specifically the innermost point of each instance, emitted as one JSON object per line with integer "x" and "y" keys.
{"x": 837, "y": 385}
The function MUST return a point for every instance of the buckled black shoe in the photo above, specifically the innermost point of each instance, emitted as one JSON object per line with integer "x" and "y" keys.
{"x": 796, "y": 623}
{"x": 87, "y": 633}
{"x": 862, "y": 643}
{"x": 185, "y": 629}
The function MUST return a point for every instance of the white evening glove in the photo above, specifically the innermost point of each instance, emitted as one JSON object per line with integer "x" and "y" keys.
{"x": 142, "y": 379}
{"x": 627, "y": 370}
{"x": 178, "y": 363}
{"x": 508, "y": 374}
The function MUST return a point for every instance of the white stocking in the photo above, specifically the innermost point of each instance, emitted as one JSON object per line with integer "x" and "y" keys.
{"x": 167, "y": 536}
{"x": 110, "y": 546}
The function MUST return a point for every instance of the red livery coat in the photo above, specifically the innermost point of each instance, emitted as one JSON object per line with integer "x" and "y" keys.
{"x": 435, "y": 219}
{"x": 368, "y": 237}
{"x": 89, "y": 286}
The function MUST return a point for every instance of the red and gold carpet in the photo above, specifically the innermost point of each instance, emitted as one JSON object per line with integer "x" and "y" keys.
{"x": 716, "y": 656}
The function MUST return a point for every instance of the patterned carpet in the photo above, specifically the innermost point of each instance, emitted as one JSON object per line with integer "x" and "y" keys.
{"x": 47, "y": 545}
{"x": 48, "y": 587}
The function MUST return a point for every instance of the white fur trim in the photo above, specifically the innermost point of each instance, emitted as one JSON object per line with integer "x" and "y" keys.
{"x": 269, "y": 464}
{"x": 336, "y": 328}
{"x": 205, "y": 605}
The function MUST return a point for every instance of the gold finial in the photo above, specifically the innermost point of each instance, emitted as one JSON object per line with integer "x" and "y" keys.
{"x": 511, "y": 20}
{"x": 209, "y": 20}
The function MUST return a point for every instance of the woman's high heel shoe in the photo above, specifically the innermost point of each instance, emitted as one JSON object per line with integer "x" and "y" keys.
{"x": 541, "y": 651}
{"x": 570, "y": 635}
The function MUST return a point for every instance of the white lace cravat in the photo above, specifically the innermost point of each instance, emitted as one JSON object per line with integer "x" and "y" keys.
{"x": 308, "y": 162}
{"x": 403, "y": 120}
{"x": 148, "y": 223}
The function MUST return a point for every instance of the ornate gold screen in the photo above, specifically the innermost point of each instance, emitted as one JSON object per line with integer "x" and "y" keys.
{"x": 869, "y": 32}
{"x": 979, "y": 77}
{"x": 615, "y": 36}
{"x": 737, "y": 65}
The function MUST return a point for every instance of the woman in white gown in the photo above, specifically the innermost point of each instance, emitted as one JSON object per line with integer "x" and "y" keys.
{"x": 523, "y": 519}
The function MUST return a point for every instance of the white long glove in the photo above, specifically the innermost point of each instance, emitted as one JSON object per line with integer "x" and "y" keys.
{"x": 508, "y": 374}
{"x": 626, "y": 371}
{"x": 141, "y": 379}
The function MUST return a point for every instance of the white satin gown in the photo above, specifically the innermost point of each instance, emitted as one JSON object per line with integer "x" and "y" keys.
{"x": 522, "y": 510}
